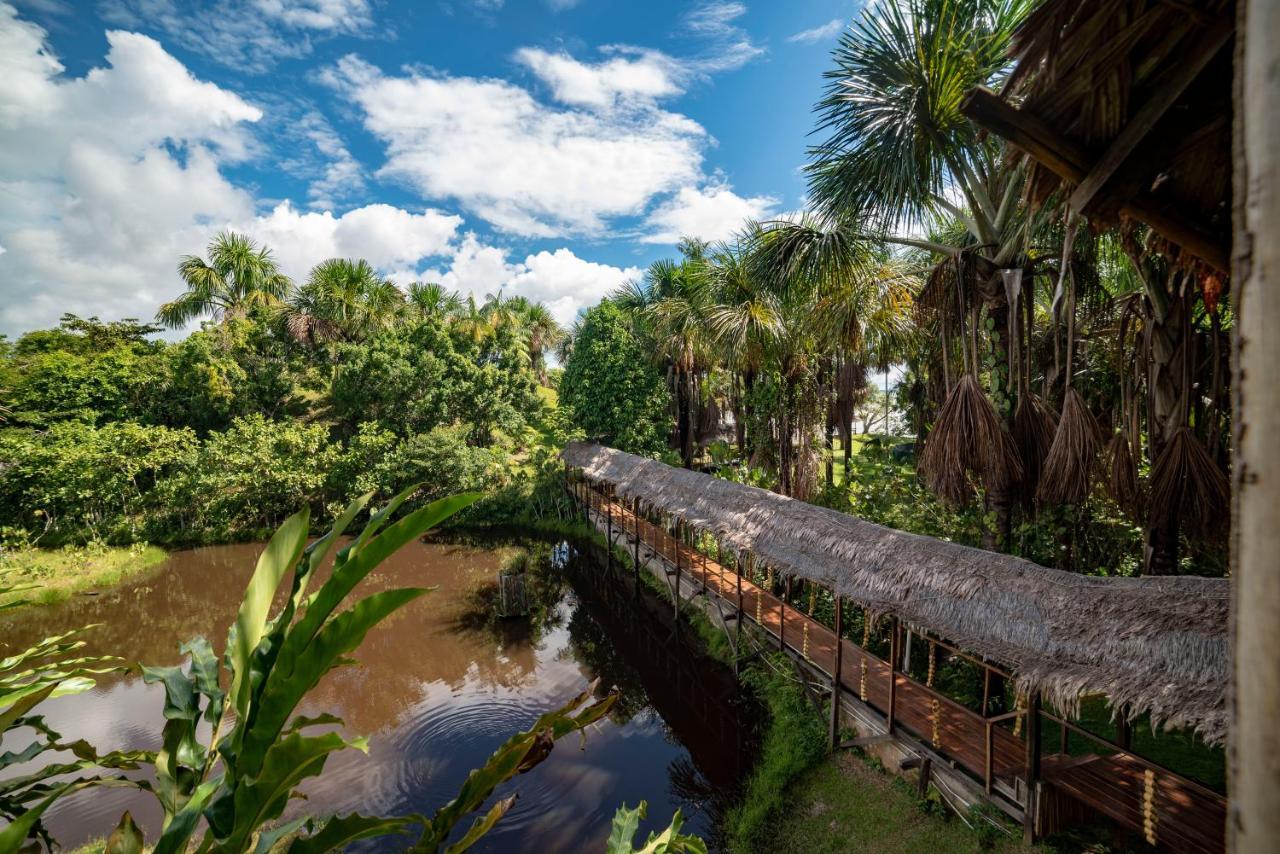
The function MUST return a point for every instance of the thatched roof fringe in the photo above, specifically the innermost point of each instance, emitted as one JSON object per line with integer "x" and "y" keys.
{"x": 1155, "y": 644}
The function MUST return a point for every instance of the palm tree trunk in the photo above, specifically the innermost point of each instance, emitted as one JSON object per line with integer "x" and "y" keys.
{"x": 1167, "y": 405}
{"x": 1000, "y": 496}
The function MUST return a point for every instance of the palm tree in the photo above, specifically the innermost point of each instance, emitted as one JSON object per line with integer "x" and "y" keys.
{"x": 238, "y": 275}
{"x": 542, "y": 332}
{"x": 900, "y": 153}
{"x": 343, "y": 300}
{"x": 431, "y": 300}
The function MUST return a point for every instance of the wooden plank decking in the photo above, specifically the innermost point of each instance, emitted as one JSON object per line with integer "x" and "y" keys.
{"x": 1181, "y": 816}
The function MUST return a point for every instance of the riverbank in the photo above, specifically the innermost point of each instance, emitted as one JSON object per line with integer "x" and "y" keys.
{"x": 53, "y": 575}
{"x": 846, "y": 803}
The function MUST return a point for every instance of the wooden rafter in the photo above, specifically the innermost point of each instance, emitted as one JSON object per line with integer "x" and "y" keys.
{"x": 1150, "y": 113}
{"x": 1069, "y": 161}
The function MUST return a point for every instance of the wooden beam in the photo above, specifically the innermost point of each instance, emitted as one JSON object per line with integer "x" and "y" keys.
{"x": 1124, "y": 144}
{"x": 1070, "y": 162}
{"x": 835, "y": 671}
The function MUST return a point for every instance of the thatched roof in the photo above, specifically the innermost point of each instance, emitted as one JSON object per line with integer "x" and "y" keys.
{"x": 1155, "y": 645}
{"x": 1134, "y": 98}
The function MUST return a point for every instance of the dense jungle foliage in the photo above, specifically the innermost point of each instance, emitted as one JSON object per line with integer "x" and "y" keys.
{"x": 114, "y": 435}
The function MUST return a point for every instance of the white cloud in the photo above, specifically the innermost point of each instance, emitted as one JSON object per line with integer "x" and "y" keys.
{"x": 387, "y": 237}
{"x": 731, "y": 47}
{"x": 249, "y": 35}
{"x": 110, "y": 178}
{"x": 648, "y": 75}
{"x": 562, "y": 280}
{"x": 712, "y": 212}
{"x": 526, "y": 167}
{"x": 818, "y": 33}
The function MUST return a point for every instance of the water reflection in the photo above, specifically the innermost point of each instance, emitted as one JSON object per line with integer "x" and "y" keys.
{"x": 440, "y": 685}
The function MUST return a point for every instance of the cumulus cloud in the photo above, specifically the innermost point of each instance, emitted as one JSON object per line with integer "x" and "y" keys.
{"x": 822, "y": 32}
{"x": 249, "y": 35}
{"x": 712, "y": 212}
{"x": 562, "y": 280}
{"x": 646, "y": 75}
{"x": 524, "y": 166}
{"x": 109, "y": 178}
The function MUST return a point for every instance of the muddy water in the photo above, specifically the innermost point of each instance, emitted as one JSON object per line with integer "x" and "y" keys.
{"x": 440, "y": 685}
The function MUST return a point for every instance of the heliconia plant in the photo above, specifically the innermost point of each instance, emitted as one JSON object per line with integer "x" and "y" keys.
{"x": 259, "y": 751}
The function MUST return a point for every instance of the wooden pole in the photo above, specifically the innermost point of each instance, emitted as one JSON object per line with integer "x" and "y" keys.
{"x": 835, "y": 673}
{"x": 1033, "y": 767}
{"x": 782, "y": 616}
{"x": 1254, "y": 751}
{"x": 893, "y": 671}
{"x": 676, "y": 599}
{"x": 635, "y": 514}
{"x": 608, "y": 537}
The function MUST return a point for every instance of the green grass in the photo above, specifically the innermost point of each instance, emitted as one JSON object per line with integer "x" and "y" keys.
{"x": 58, "y": 574}
{"x": 845, "y": 803}
{"x": 795, "y": 740}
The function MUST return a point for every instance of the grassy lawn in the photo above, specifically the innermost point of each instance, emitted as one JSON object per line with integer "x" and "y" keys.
{"x": 58, "y": 574}
{"x": 846, "y": 804}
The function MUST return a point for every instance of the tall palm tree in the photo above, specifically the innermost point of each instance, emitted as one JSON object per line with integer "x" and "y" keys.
{"x": 900, "y": 154}
{"x": 432, "y": 300}
{"x": 238, "y": 275}
{"x": 343, "y": 300}
{"x": 542, "y": 332}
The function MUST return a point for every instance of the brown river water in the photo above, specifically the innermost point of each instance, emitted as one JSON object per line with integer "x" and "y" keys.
{"x": 439, "y": 686}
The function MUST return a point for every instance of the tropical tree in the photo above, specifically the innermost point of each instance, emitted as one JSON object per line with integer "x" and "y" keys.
{"x": 431, "y": 300}
{"x": 343, "y": 300}
{"x": 238, "y": 275}
{"x": 541, "y": 332}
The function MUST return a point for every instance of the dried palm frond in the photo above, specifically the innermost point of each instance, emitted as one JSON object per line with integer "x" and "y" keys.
{"x": 968, "y": 444}
{"x": 1069, "y": 468}
{"x": 1185, "y": 480}
{"x": 1122, "y": 474}
{"x": 1034, "y": 424}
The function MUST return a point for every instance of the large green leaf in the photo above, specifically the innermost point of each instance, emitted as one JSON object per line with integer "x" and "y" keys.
{"x": 339, "y": 636}
{"x": 182, "y": 824}
{"x": 126, "y": 838}
{"x": 338, "y": 832}
{"x": 482, "y": 825}
{"x": 235, "y": 815}
{"x": 280, "y": 555}
{"x": 622, "y": 833}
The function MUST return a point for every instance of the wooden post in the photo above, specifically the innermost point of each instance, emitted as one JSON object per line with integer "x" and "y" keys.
{"x": 1033, "y": 767}
{"x": 635, "y": 514}
{"x": 782, "y": 616}
{"x": 1124, "y": 732}
{"x": 835, "y": 673}
{"x": 738, "y": 628}
{"x": 987, "y": 771}
{"x": 1254, "y": 751}
{"x": 893, "y": 670}
{"x": 608, "y": 537}
{"x": 676, "y": 599}
{"x": 986, "y": 692}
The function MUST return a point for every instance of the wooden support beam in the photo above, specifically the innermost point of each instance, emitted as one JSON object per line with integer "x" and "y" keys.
{"x": 1033, "y": 768}
{"x": 1071, "y": 162}
{"x": 864, "y": 741}
{"x": 893, "y": 670}
{"x": 1125, "y": 143}
{"x": 835, "y": 672}
{"x": 922, "y": 782}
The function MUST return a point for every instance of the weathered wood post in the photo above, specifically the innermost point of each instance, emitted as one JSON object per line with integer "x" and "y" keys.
{"x": 737, "y": 646}
{"x": 893, "y": 672}
{"x": 782, "y": 616}
{"x": 635, "y": 514}
{"x": 608, "y": 535}
{"x": 1254, "y": 751}
{"x": 1033, "y": 767}
{"x": 676, "y": 599}
{"x": 835, "y": 673}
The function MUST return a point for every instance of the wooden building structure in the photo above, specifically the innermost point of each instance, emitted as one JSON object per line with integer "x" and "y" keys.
{"x": 1152, "y": 646}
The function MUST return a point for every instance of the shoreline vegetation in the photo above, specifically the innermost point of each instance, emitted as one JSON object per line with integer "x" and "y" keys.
{"x": 55, "y": 575}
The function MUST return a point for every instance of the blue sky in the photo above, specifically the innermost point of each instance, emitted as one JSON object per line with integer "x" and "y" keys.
{"x": 547, "y": 147}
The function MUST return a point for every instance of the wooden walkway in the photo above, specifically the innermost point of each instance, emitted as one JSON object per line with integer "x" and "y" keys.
{"x": 1170, "y": 811}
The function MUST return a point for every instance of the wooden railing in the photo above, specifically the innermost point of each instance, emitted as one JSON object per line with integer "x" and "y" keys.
{"x": 1168, "y": 809}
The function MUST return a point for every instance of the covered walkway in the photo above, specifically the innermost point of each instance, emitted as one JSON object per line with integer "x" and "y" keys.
{"x": 1012, "y": 755}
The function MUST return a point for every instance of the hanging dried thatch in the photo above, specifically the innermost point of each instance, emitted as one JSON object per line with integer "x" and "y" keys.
{"x": 1034, "y": 425}
{"x": 1156, "y": 644}
{"x": 1186, "y": 481}
{"x": 1122, "y": 475}
{"x": 968, "y": 444}
{"x": 1070, "y": 466}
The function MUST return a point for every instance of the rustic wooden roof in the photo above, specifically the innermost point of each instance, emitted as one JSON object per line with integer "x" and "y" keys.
{"x": 1155, "y": 644}
{"x": 1125, "y": 107}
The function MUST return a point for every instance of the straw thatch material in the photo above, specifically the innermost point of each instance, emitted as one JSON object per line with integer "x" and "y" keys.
{"x": 1156, "y": 644}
